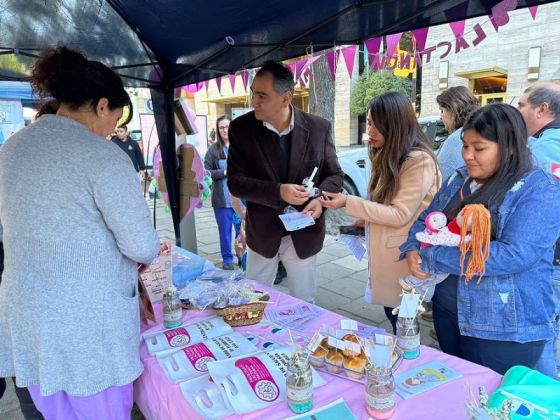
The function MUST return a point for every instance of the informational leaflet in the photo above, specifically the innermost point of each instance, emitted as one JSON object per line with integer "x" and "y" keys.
{"x": 296, "y": 317}
{"x": 423, "y": 378}
{"x": 354, "y": 243}
{"x": 157, "y": 276}
{"x": 296, "y": 221}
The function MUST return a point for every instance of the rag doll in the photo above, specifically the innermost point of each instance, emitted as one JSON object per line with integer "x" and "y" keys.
{"x": 470, "y": 231}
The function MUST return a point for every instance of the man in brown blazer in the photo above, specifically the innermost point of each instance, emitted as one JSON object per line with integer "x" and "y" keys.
{"x": 272, "y": 149}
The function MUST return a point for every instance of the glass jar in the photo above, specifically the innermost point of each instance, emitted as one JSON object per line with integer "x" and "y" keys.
{"x": 172, "y": 309}
{"x": 380, "y": 392}
{"x": 299, "y": 383}
{"x": 408, "y": 337}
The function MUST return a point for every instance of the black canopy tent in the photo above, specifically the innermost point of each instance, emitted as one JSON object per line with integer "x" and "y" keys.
{"x": 170, "y": 43}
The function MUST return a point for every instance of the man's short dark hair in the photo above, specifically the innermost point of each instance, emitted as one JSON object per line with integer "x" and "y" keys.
{"x": 123, "y": 126}
{"x": 540, "y": 94}
{"x": 283, "y": 79}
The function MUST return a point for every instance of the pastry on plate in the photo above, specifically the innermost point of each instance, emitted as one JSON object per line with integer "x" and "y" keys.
{"x": 317, "y": 358}
{"x": 334, "y": 360}
{"x": 355, "y": 367}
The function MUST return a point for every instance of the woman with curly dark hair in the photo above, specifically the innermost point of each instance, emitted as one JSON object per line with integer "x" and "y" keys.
{"x": 69, "y": 313}
{"x": 455, "y": 104}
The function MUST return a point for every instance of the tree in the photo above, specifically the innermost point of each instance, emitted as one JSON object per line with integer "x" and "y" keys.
{"x": 371, "y": 84}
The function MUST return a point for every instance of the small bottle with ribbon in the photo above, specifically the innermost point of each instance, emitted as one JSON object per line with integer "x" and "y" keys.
{"x": 299, "y": 383}
{"x": 172, "y": 309}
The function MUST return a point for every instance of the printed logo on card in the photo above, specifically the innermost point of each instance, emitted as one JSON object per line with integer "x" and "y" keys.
{"x": 555, "y": 169}
{"x": 178, "y": 337}
{"x": 259, "y": 378}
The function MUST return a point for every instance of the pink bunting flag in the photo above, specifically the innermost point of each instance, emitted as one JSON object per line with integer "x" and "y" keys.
{"x": 219, "y": 83}
{"x": 533, "y": 11}
{"x": 304, "y": 64}
{"x": 232, "y": 78}
{"x": 500, "y": 16}
{"x": 245, "y": 78}
{"x": 420, "y": 35}
{"x": 193, "y": 88}
{"x": 332, "y": 61}
{"x": 349, "y": 54}
{"x": 373, "y": 45}
{"x": 292, "y": 67}
{"x": 458, "y": 28}
{"x": 392, "y": 43}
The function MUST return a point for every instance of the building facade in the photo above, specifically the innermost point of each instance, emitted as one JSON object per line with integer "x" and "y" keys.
{"x": 502, "y": 65}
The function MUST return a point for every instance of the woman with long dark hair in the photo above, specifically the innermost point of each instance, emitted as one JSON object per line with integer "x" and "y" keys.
{"x": 69, "y": 313}
{"x": 504, "y": 319}
{"x": 215, "y": 162}
{"x": 404, "y": 179}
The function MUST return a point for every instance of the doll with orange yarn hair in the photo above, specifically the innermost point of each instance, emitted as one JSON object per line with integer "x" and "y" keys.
{"x": 470, "y": 231}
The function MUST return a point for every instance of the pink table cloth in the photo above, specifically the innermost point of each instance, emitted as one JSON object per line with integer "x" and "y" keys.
{"x": 158, "y": 398}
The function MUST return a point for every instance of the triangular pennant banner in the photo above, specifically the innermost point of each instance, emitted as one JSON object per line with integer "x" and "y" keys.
{"x": 499, "y": 16}
{"x": 332, "y": 60}
{"x": 533, "y": 11}
{"x": 392, "y": 43}
{"x": 193, "y": 88}
{"x": 219, "y": 83}
{"x": 232, "y": 78}
{"x": 302, "y": 65}
{"x": 206, "y": 84}
{"x": 458, "y": 28}
{"x": 455, "y": 13}
{"x": 420, "y": 35}
{"x": 245, "y": 78}
{"x": 373, "y": 45}
{"x": 349, "y": 54}
{"x": 292, "y": 67}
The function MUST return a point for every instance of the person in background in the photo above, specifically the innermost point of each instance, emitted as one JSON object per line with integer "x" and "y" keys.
{"x": 272, "y": 150}
{"x": 504, "y": 318}
{"x": 130, "y": 147}
{"x": 455, "y": 104}
{"x": 404, "y": 179}
{"x": 68, "y": 298}
{"x": 540, "y": 107}
{"x": 215, "y": 162}
{"x": 212, "y": 137}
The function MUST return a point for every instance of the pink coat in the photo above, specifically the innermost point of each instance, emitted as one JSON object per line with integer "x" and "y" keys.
{"x": 388, "y": 225}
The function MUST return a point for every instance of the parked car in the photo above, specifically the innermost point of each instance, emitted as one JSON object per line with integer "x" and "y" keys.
{"x": 356, "y": 165}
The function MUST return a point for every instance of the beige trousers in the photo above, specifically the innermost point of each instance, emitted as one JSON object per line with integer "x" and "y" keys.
{"x": 301, "y": 273}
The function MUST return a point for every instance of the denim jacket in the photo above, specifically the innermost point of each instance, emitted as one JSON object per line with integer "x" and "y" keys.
{"x": 513, "y": 301}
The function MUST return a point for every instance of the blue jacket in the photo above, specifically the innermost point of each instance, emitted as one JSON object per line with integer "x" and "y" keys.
{"x": 513, "y": 301}
{"x": 546, "y": 150}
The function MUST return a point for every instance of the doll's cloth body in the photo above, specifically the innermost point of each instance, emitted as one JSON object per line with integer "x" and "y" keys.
{"x": 449, "y": 235}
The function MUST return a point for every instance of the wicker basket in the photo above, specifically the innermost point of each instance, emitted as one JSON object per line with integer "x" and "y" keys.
{"x": 243, "y": 315}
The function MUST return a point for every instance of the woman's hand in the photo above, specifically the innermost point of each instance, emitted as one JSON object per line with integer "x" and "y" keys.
{"x": 165, "y": 246}
{"x": 313, "y": 209}
{"x": 333, "y": 200}
{"x": 414, "y": 260}
{"x": 359, "y": 223}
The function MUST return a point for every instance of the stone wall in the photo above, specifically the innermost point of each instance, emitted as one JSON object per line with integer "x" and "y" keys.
{"x": 508, "y": 48}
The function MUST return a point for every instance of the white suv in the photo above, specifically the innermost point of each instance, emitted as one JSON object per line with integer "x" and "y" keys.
{"x": 356, "y": 165}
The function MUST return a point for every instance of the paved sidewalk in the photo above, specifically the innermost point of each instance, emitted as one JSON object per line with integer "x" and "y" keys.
{"x": 341, "y": 283}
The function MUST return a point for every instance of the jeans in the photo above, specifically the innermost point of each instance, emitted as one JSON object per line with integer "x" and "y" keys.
{"x": 549, "y": 363}
{"x": 224, "y": 219}
{"x": 494, "y": 354}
